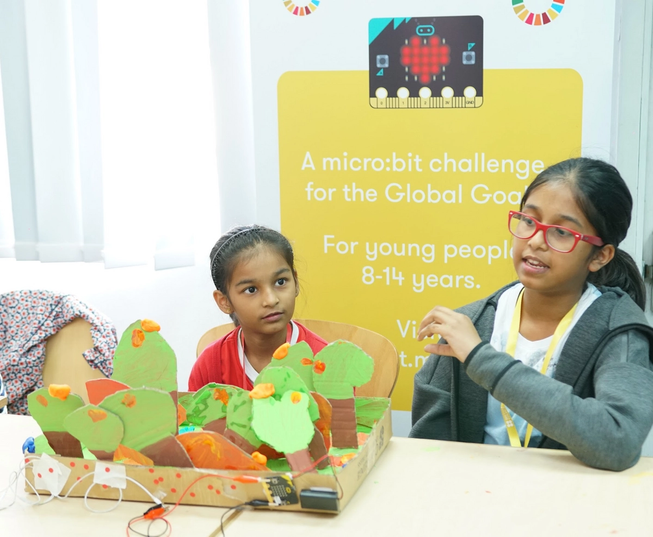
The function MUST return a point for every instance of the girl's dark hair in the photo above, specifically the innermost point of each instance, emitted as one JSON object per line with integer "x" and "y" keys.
{"x": 240, "y": 242}
{"x": 602, "y": 195}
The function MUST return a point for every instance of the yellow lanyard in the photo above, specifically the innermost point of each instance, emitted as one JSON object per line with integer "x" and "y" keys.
{"x": 511, "y": 345}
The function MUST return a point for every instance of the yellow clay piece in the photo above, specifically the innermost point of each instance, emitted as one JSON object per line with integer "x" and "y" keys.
{"x": 60, "y": 391}
{"x": 281, "y": 352}
{"x": 220, "y": 394}
{"x": 150, "y": 326}
{"x": 128, "y": 400}
{"x": 96, "y": 414}
{"x": 262, "y": 391}
{"x": 347, "y": 457}
{"x": 295, "y": 397}
{"x": 137, "y": 338}
{"x": 260, "y": 458}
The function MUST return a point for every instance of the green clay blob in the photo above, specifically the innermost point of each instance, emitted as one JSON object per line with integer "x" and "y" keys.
{"x": 148, "y": 415}
{"x": 345, "y": 366}
{"x": 50, "y": 412}
{"x": 285, "y": 424}
{"x": 153, "y": 364}
{"x": 95, "y": 427}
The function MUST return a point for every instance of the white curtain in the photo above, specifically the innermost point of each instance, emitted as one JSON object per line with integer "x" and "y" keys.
{"x": 6, "y": 221}
{"x": 110, "y": 134}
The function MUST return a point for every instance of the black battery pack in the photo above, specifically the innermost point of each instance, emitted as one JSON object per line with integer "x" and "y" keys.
{"x": 321, "y": 499}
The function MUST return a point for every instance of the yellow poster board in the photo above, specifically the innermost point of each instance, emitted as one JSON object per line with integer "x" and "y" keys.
{"x": 392, "y": 212}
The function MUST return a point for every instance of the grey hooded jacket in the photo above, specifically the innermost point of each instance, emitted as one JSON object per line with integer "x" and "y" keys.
{"x": 599, "y": 405}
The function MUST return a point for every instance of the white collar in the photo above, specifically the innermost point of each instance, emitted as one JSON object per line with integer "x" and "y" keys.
{"x": 244, "y": 362}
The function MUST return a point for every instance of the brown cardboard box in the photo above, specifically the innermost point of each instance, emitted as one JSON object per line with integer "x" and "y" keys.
{"x": 168, "y": 483}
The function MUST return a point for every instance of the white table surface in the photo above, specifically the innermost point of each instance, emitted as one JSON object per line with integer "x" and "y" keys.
{"x": 417, "y": 487}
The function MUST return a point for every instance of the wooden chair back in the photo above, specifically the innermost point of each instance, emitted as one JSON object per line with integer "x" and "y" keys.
{"x": 64, "y": 362}
{"x": 381, "y": 349}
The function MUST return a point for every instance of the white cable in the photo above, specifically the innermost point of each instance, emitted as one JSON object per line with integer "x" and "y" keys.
{"x": 94, "y": 510}
{"x": 13, "y": 483}
{"x": 154, "y": 498}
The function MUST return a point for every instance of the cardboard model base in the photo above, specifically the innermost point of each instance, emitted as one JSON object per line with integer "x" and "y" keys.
{"x": 168, "y": 484}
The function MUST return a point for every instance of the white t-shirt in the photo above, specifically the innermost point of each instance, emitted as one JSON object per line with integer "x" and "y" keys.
{"x": 531, "y": 353}
{"x": 252, "y": 373}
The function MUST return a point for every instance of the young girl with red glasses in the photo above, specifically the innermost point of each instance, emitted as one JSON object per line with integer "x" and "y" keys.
{"x": 562, "y": 358}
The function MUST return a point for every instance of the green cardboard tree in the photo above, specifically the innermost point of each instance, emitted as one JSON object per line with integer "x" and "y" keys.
{"x": 239, "y": 422}
{"x": 299, "y": 357}
{"x": 98, "y": 429}
{"x": 49, "y": 407}
{"x": 150, "y": 420}
{"x": 207, "y": 408}
{"x": 285, "y": 379}
{"x": 148, "y": 415}
{"x": 286, "y": 425}
{"x": 144, "y": 359}
{"x": 338, "y": 368}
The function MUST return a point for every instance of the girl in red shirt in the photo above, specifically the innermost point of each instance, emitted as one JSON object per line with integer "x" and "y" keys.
{"x": 256, "y": 284}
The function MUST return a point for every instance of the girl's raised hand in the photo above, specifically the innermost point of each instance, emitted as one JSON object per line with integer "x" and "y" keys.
{"x": 457, "y": 329}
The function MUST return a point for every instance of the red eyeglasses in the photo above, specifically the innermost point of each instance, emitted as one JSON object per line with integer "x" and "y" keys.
{"x": 558, "y": 238}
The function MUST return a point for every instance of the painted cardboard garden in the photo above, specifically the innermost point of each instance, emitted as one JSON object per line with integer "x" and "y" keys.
{"x": 301, "y": 420}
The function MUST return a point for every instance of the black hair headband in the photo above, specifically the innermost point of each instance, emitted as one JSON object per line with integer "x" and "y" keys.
{"x": 241, "y": 232}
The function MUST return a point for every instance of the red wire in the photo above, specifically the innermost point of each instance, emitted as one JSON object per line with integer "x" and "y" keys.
{"x": 240, "y": 478}
{"x": 142, "y": 518}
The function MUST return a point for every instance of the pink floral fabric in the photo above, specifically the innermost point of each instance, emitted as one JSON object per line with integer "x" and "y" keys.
{"x": 27, "y": 319}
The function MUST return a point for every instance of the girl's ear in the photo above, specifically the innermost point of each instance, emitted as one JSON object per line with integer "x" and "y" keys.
{"x": 601, "y": 258}
{"x": 294, "y": 275}
{"x": 223, "y": 302}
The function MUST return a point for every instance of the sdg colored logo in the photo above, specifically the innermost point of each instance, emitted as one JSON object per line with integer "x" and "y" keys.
{"x": 303, "y": 9}
{"x": 537, "y": 19}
